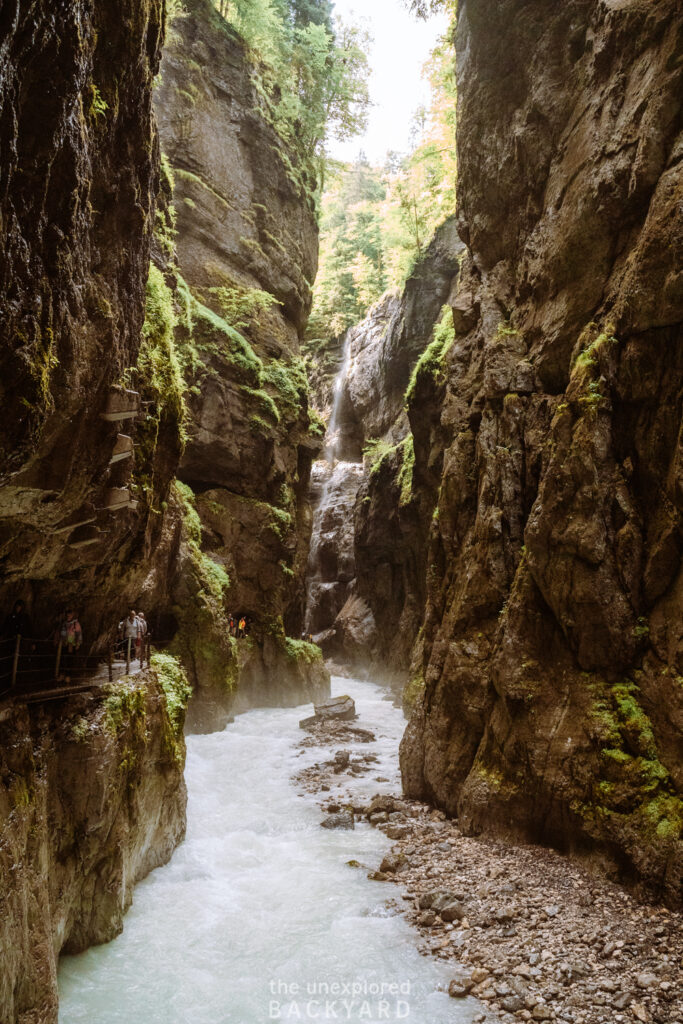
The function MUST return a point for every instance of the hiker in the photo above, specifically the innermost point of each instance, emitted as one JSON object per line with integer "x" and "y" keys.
{"x": 17, "y": 622}
{"x": 140, "y": 642}
{"x": 241, "y": 628}
{"x": 129, "y": 631}
{"x": 71, "y": 636}
{"x": 231, "y": 625}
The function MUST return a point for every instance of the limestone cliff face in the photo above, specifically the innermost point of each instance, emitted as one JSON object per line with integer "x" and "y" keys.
{"x": 78, "y": 180}
{"x": 385, "y": 347}
{"x": 92, "y": 799}
{"x": 370, "y": 607}
{"x": 246, "y": 247}
{"x": 551, "y": 653}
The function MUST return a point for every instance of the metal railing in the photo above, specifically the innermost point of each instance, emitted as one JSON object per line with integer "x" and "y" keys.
{"x": 28, "y": 665}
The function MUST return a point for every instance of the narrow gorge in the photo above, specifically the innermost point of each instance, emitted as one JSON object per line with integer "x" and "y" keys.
{"x": 404, "y": 430}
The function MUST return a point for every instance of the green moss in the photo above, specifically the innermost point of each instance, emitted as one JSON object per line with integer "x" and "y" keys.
{"x": 405, "y": 476}
{"x": 265, "y": 404}
{"x": 212, "y": 333}
{"x": 635, "y": 785}
{"x": 98, "y": 108}
{"x": 375, "y": 451}
{"x": 300, "y": 650}
{"x": 215, "y": 577}
{"x": 158, "y": 376}
{"x": 188, "y": 176}
{"x": 288, "y": 385}
{"x": 241, "y": 306}
{"x": 80, "y": 729}
{"x": 413, "y": 691}
{"x": 176, "y": 687}
{"x": 124, "y": 705}
{"x": 203, "y": 642}
{"x": 429, "y": 366}
{"x": 193, "y": 524}
{"x": 317, "y": 425}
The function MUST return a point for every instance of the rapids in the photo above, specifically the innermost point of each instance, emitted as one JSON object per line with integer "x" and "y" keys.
{"x": 259, "y": 899}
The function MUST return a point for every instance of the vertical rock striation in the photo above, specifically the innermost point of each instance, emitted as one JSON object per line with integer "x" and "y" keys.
{"x": 550, "y": 661}
{"x": 78, "y": 181}
{"x": 247, "y": 250}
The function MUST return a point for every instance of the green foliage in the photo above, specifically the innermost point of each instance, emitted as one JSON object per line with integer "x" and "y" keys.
{"x": 124, "y": 705}
{"x": 242, "y": 306}
{"x": 98, "y": 107}
{"x": 405, "y": 476}
{"x": 430, "y": 364}
{"x": 80, "y": 729}
{"x": 176, "y": 687}
{"x": 377, "y": 221}
{"x": 287, "y": 382}
{"x": 213, "y": 578}
{"x": 191, "y": 520}
{"x": 301, "y": 650}
{"x": 375, "y": 450}
{"x": 212, "y": 333}
{"x": 157, "y": 362}
{"x": 310, "y": 73}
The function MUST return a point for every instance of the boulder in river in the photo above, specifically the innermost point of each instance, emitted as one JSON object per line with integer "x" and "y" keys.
{"x": 343, "y": 819}
{"x": 338, "y": 709}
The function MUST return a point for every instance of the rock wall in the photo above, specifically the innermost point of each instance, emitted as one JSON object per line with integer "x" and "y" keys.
{"x": 247, "y": 247}
{"x": 92, "y": 799}
{"x": 551, "y": 653}
{"x": 78, "y": 181}
{"x": 372, "y": 614}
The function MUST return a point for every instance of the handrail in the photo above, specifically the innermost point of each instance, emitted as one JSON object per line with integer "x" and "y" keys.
{"x": 27, "y": 668}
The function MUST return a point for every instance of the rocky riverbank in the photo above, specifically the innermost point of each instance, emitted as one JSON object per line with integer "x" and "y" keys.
{"x": 534, "y": 936}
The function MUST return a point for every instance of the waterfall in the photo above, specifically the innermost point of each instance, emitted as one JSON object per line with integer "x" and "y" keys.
{"x": 331, "y": 560}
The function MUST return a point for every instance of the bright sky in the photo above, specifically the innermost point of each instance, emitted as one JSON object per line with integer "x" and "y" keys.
{"x": 402, "y": 44}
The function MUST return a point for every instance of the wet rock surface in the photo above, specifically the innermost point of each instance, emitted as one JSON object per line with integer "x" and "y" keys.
{"x": 546, "y": 677}
{"x": 246, "y": 229}
{"x": 93, "y": 799}
{"x": 531, "y": 934}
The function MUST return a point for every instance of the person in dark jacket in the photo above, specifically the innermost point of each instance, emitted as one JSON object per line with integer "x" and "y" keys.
{"x": 17, "y": 622}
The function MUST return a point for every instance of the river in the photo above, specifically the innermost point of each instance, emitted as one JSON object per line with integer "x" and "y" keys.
{"x": 258, "y": 916}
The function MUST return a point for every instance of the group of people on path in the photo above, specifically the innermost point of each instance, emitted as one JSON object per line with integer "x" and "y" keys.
{"x": 239, "y": 626}
{"x": 133, "y": 628}
{"x": 65, "y": 638}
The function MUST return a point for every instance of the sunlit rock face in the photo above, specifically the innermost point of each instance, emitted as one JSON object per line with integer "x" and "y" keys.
{"x": 551, "y": 651}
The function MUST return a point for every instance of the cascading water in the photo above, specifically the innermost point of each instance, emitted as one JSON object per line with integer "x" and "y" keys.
{"x": 331, "y": 557}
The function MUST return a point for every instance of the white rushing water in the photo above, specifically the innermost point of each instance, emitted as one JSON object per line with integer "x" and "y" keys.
{"x": 258, "y": 910}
